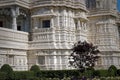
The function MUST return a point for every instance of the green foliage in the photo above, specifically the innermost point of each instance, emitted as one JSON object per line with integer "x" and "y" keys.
{"x": 103, "y": 73}
{"x": 112, "y": 71}
{"x": 8, "y": 70}
{"x": 102, "y": 78}
{"x": 35, "y": 68}
{"x": 89, "y": 72}
{"x": 109, "y": 78}
{"x": 96, "y": 73}
{"x": 58, "y": 75}
{"x": 2, "y": 75}
{"x": 118, "y": 72}
{"x": 23, "y": 75}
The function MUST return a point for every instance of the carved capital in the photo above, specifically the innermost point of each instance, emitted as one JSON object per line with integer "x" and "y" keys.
{"x": 15, "y": 11}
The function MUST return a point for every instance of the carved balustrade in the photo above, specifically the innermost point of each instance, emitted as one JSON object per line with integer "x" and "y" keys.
{"x": 11, "y": 38}
{"x": 43, "y": 34}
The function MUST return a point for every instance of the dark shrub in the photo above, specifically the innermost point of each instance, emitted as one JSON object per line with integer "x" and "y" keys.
{"x": 23, "y": 75}
{"x": 112, "y": 71}
{"x": 2, "y": 75}
{"x": 96, "y": 73}
{"x": 118, "y": 72}
{"x": 89, "y": 72}
{"x": 8, "y": 70}
{"x": 57, "y": 73}
{"x": 103, "y": 73}
{"x": 35, "y": 68}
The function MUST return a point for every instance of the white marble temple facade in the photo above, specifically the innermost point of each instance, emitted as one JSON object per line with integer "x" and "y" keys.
{"x": 42, "y": 32}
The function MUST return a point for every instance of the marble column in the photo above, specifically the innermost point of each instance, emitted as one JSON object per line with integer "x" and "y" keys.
{"x": 58, "y": 24}
{"x": 14, "y": 24}
{"x": 14, "y": 20}
{"x": 79, "y": 27}
{"x": 52, "y": 22}
{"x": 36, "y": 23}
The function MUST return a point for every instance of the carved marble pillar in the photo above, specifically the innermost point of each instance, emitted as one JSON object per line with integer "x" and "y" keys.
{"x": 52, "y": 22}
{"x": 14, "y": 24}
{"x": 15, "y": 13}
{"x": 37, "y": 58}
{"x": 79, "y": 27}
{"x": 27, "y": 23}
{"x": 36, "y": 23}
{"x": 55, "y": 60}
{"x": 14, "y": 21}
{"x": 52, "y": 18}
{"x": 58, "y": 24}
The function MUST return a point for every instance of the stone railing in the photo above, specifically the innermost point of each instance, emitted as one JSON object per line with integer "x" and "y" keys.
{"x": 13, "y": 39}
{"x": 68, "y": 3}
{"x": 43, "y": 34}
{"x": 41, "y": 38}
{"x": 43, "y": 30}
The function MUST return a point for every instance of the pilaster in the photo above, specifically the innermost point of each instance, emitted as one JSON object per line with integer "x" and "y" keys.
{"x": 79, "y": 27}
{"x": 52, "y": 22}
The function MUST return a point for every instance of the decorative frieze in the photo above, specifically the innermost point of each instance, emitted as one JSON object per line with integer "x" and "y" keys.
{"x": 14, "y": 58}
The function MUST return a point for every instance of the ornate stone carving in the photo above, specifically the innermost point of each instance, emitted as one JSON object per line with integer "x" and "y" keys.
{"x": 68, "y": 21}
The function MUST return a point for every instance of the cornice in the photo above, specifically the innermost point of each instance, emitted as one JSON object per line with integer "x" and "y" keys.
{"x": 102, "y": 13}
{"x": 22, "y": 3}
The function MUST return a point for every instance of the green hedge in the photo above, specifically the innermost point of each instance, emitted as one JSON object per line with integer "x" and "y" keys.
{"x": 52, "y": 74}
{"x": 35, "y": 68}
{"x": 118, "y": 72}
{"x": 112, "y": 71}
{"x": 57, "y": 75}
{"x": 7, "y": 69}
{"x": 6, "y": 73}
{"x": 103, "y": 73}
{"x": 3, "y": 75}
{"x": 23, "y": 75}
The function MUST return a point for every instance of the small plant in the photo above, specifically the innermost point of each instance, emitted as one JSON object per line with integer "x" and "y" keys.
{"x": 112, "y": 71}
{"x": 8, "y": 70}
{"x": 35, "y": 68}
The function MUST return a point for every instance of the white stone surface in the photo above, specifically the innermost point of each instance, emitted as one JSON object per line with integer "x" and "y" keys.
{"x": 69, "y": 22}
